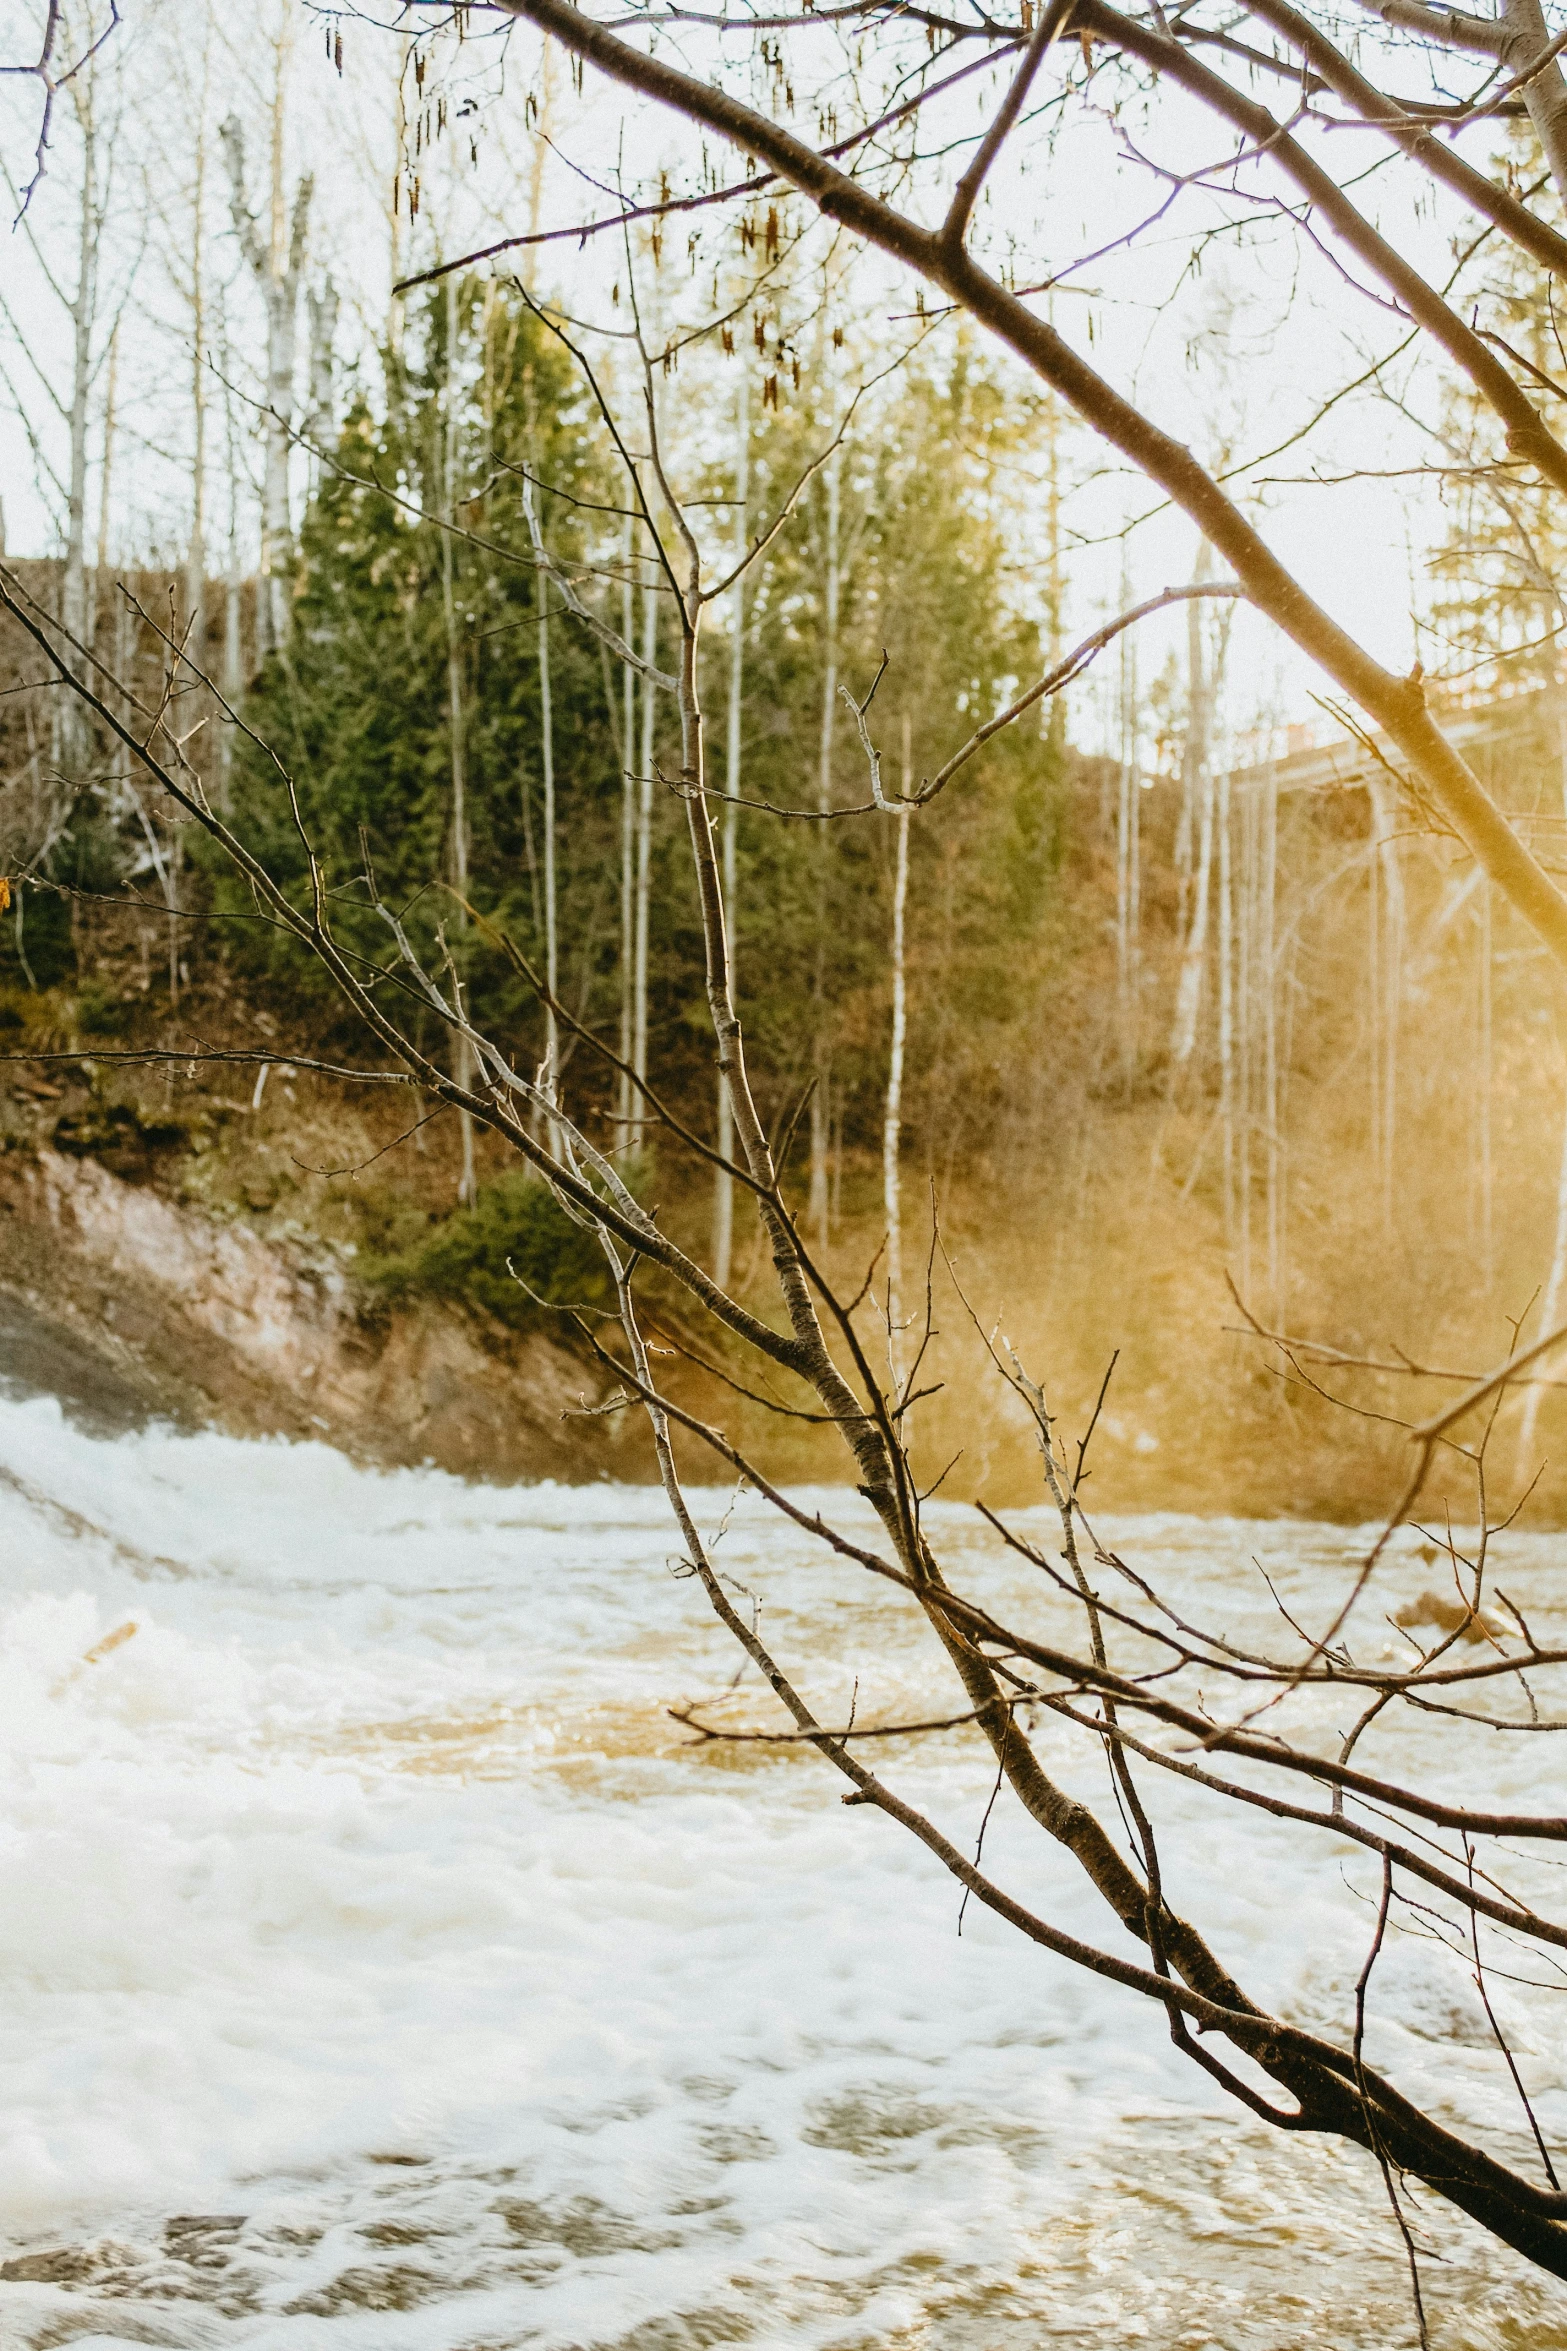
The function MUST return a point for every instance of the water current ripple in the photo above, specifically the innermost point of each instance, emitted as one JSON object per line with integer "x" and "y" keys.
{"x": 381, "y": 1967}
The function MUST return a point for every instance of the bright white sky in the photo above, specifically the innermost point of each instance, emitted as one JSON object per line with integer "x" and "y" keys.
{"x": 1231, "y": 358}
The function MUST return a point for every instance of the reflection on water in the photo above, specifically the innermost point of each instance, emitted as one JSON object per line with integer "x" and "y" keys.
{"x": 382, "y": 1965}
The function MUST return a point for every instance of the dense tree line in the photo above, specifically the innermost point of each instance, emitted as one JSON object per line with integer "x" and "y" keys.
{"x": 355, "y": 714}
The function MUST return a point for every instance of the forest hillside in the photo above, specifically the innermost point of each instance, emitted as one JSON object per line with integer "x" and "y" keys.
{"x": 1202, "y": 1031}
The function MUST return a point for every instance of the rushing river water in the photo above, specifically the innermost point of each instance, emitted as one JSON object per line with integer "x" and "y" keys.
{"x": 380, "y": 1968}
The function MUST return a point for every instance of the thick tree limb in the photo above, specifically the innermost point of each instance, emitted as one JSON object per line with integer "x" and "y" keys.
{"x": 1449, "y": 28}
{"x": 1418, "y": 141}
{"x": 1396, "y": 704}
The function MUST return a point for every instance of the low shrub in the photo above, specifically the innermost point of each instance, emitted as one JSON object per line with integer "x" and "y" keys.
{"x": 101, "y": 1013}
{"x": 514, "y": 1248}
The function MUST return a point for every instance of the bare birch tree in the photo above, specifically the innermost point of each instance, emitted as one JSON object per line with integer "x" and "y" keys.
{"x": 321, "y": 304}
{"x": 723, "y": 1176}
{"x": 83, "y": 313}
{"x": 821, "y": 1056}
{"x": 644, "y": 863}
{"x": 1196, "y": 814}
{"x": 547, "y": 774}
{"x": 892, "y": 1115}
{"x": 233, "y": 666}
{"x": 276, "y": 260}
{"x": 1128, "y": 848}
{"x": 456, "y": 703}
{"x": 625, "y": 1094}
{"x": 1385, "y": 899}
{"x": 81, "y": 301}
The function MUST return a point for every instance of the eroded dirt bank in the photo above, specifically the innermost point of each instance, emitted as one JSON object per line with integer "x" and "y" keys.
{"x": 130, "y": 1306}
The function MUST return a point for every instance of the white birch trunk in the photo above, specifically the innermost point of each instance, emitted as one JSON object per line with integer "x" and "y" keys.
{"x": 467, "y": 1181}
{"x": 1246, "y": 1027}
{"x": 1188, "y": 993}
{"x": 396, "y": 316}
{"x": 196, "y": 546}
{"x": 819, "y": 1209}
{"x": 1268, "y": 980}
{"x": 1052, "y": 715}
{"x": 1544, "y": 94}
{"x": 233, "y": 579}
{"x": 538, "y": 161}
{"x": 1197, "y": 805}
{"x": 1127, "y": 877}
{"x": 1556, "y": 1280}
{"x": 1226, "y": 999}
{"x": 173, "y": 866}
{"x": 1387, "y": 917}
{"x": 1194, "y": 752}
{"x": 277, "y": 526}
{"x": 277, "y": 264}
{"x": 892, "y": 1119}
{"x": 105, "y": 486}
{"x": 83, "y": 312}
{"x": 1123, "y": 826}
{"x": 723, "y": 1181}
{"x": 547, "y": 762}
{"x": 550, "y": 1075}
{"x": 644, "y": 846}
{"x": 628, "y": 831}
{"x": 322, "y": 306}
{"x": 1484, "y": 1076}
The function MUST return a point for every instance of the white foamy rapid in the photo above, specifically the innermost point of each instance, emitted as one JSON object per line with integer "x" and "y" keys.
{"x": 379, "y": 1968}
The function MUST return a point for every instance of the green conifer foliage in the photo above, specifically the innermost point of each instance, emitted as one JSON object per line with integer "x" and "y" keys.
{"x": 356, "y": 707}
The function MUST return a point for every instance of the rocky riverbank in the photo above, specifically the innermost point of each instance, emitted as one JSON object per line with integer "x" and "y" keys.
{"x": 132, "y": 1306}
